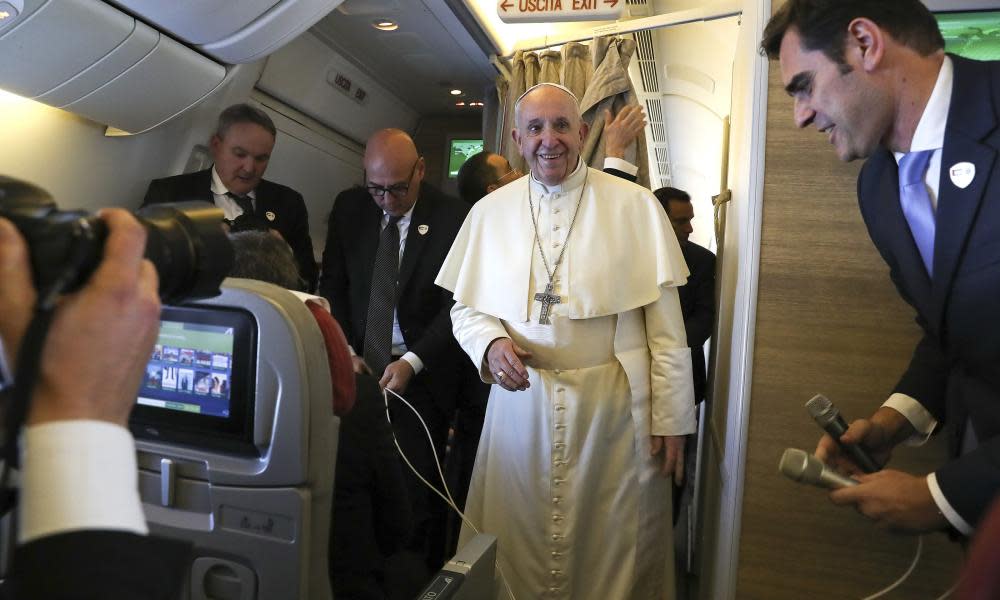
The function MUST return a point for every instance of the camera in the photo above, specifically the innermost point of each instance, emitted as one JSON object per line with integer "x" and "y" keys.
{"x": 185, "y": 242}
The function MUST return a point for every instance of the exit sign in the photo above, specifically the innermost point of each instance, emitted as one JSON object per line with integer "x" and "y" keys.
{"x": 550, "y": 11}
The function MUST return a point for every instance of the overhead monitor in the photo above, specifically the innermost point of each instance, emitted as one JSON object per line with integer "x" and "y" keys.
{"x": 459, "y": 151}
{"x": 972, "y": 34}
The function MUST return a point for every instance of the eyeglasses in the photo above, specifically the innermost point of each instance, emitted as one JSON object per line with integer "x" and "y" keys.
{"x": 398, "y": 190}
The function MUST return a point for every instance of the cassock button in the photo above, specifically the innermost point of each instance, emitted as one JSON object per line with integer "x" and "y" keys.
{"x": 556, "y": 500}
{"x": 556, "y": 537}
{"x": 557, "y": 555}
{"x": 557, "y": 518}
{"x": 555, "y": 573}
{"x": 561, "y": 389}
{"x": 556, "y": 211}
{"x": 556, "y": 228}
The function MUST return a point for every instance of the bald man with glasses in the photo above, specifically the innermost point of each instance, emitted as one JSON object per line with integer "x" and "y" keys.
{"x": 386, "y": 242}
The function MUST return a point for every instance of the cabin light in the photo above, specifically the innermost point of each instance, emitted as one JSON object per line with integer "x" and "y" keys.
{"x": 460, "y": 104}
{"x": 456, "y": 92}
{"x": 385, "y": 25}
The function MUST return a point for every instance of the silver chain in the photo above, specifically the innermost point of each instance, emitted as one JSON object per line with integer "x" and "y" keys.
{"x": 534, "y": 223}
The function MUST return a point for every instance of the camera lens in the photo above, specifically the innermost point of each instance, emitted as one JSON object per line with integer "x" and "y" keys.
{"x": 185, "y": 242}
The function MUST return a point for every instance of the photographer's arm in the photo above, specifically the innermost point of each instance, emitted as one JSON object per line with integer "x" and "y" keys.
{"x": 76, "y": 444}
{"x": 78, "y": 467}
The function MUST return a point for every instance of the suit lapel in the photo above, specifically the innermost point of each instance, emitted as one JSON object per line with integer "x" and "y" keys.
{"x": 201, "y": 188}
{"x": 970, "y": 120}
{"x": 416, "y": 236}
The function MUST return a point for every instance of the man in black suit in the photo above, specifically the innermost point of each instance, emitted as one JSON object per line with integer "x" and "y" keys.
{"x": 874, "y": 76}
{"x": 698, "y": 294}
{"x": 380, "y": 284}
{"x": 241, "y": 148}
{"x": 82, "y": 533}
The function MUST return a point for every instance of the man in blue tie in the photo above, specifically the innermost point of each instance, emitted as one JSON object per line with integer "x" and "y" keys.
{"x": 874, "y": 77}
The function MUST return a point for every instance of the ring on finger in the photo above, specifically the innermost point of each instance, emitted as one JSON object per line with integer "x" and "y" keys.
{"x": 500, "y": 375}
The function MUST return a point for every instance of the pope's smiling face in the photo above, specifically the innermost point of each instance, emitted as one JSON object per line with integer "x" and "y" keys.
{"x": 549, "y": 133}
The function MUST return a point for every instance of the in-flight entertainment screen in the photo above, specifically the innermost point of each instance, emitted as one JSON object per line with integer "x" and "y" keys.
{"x": 190, "y": 369}
{"x": 199, "y": 383}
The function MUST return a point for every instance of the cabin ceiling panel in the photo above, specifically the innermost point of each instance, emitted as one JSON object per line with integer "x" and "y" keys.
{"x": 419, "y": 62}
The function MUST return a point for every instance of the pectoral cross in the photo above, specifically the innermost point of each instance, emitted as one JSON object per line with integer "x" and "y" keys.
{"x": 547, "y": 298}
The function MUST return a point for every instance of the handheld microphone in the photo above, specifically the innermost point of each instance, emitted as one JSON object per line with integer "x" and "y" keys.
{"x": 799, "y": 465}
{"x": 828, "y": 417}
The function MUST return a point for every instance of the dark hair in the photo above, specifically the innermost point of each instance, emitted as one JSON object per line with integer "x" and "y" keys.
{"x": 822, "y": 24}
{"x": 474, "y": 176}
{"x": 666, "y": 194}
{"x": 260, "y": 255}
{"x": 243, "y": 113}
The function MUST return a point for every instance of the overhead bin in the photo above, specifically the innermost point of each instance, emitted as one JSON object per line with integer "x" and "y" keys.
{"x": 115, "y": 65}
{"x": 91, "y": 59}
{"x": 232, "y": 32}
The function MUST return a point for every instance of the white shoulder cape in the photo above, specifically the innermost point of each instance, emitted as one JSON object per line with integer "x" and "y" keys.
{"x": 622, "y": 248}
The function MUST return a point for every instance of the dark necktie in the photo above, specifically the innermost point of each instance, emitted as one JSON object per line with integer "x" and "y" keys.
{"x": 245, "y": 203}
{"x": 382, "y": 301}
{"x": 916, "y": 203}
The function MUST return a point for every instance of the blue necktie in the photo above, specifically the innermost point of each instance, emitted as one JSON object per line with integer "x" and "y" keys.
{"x": 916, "y": 203}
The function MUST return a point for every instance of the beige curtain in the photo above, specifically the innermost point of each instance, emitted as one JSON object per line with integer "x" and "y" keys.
{"x": 611, "y": 89}
{"x": 597, "y": 74}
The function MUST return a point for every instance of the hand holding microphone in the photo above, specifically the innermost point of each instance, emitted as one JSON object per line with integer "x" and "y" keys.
{"x": 828, "y": 417}
{"x": 799, "y": 465}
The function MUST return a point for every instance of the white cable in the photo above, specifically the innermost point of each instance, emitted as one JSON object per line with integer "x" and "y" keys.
{"x": 898, "y": 582}
{"x": 448, "y": 499}
{"x": 947, "y": 592}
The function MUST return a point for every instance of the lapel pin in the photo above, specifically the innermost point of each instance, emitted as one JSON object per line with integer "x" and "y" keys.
{"x": 270, "y": 216}
{"x": 423, "y": 229}
{"x": 962, "y": 174}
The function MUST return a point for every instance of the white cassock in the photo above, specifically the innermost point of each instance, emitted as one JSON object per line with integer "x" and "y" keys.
{"x": 563, "y": 476}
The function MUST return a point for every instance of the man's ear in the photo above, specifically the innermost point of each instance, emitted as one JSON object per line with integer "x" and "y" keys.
{"x": 517, "y": 138}
{"x": 866, "y": 37}
{"x": 584, "y": 129}
{"x": 214, "y": 144}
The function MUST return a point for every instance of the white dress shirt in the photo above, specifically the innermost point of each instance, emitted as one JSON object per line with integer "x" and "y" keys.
{"x": 78, "y": 475}
{"x": 230, "y": 208}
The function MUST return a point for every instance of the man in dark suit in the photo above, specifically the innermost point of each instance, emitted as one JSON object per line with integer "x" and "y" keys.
{"x": 81, "y": 530}
{"x": 698, "y": 294}
{"x": 385, "y": 245}
{"x": 873, "y": 75}
{"x": 241, "y": 148}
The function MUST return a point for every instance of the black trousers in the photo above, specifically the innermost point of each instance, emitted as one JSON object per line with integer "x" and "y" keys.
{"x": 429, "y": 510}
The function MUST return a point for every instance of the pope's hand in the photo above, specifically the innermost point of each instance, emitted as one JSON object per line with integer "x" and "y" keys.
{"x": 504, "y": 359}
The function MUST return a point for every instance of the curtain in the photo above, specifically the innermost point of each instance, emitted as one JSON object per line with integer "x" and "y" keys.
{"x": 611, "y": 89}
{"x": 597, "y": 75}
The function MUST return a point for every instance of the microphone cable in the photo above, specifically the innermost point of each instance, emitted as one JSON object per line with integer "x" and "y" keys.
{"x": 447, "y": 493}
{"x": 906, "y": 575}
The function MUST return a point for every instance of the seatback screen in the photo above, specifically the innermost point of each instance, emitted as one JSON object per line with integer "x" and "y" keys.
{"x": 199, "y": 385}
{"x": 190, "y": 369}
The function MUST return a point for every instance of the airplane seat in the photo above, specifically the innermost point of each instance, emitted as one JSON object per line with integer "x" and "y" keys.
{"x": 237, "y": 441}
{"x": 339, "y": 358}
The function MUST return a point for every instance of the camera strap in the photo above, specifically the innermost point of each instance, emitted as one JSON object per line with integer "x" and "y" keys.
{"x": 17, "y": 399}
